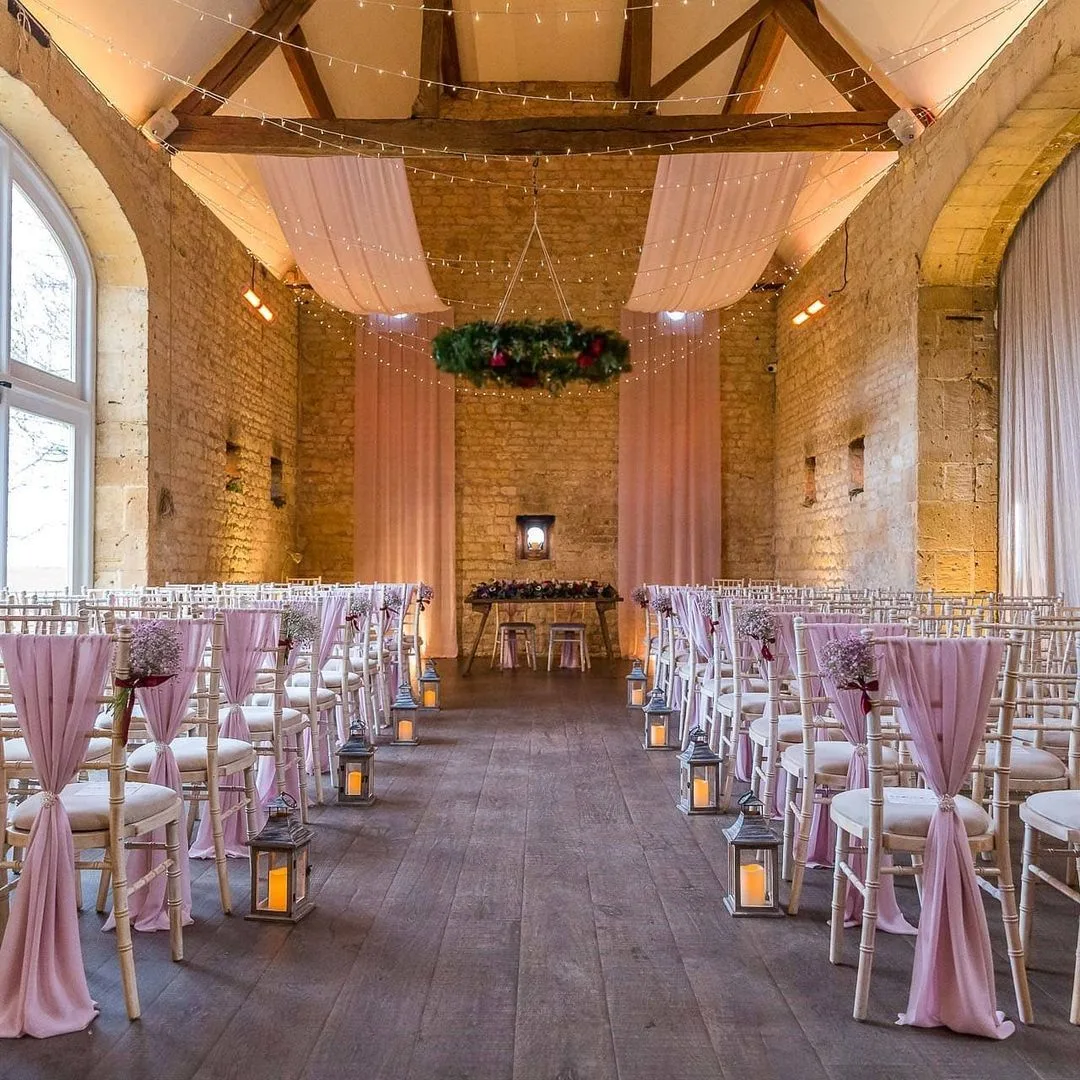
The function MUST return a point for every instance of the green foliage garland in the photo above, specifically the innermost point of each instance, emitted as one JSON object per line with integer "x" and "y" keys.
{"x": 531, "y": 354}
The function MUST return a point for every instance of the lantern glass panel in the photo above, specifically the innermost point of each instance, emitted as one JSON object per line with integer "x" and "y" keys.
{"x": 657, "y": 730}
{"x": 301, "y": 874}
{"x": 273, "y": 880}
{"x": 755, "y": 878}
{"x": 354, "y": 778}
{"x": 406, "y": 729}
{"x": 702, "y": 787}
{"x": 430, "y": 694}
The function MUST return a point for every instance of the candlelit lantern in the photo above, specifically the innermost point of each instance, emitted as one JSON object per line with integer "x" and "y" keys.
{"x": 699, "y": 786}
{"x": 280, "y": 889}
{"x": 356, "y": 768}
{"x": 430, "y": 687}
{"x": 753, "y": 862}
{"x": 636, "y": 682}
{"x": 405, "y": 716}
{"x": 658, "y": 727}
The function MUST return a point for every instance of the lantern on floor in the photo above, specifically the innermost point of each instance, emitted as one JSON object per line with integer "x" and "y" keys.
{"x": 430, "y": 687}
{"x": 699, "y": 776}
{"x": 356, "y": 768}
{"x": 404, "y": 715}
{"x": 658, "y": 726}
{"x": 280, "y": 889}
{"x": 753, "y": 862}
{"x": 636, "y": 682}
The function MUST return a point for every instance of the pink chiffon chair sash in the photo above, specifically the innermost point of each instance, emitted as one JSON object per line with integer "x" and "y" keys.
{"x": 165, "y": 708}
{"x": 250, "y": 635}
{"x": 847, "y": 709}
{"x": 944, "y": 688}
{"x": 56, "y": 682}
{"x": 684, "y": 602}
{"x": 740, "y": 652}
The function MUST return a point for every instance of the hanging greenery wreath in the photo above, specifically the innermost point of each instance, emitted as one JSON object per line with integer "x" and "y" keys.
{"x": 531, "y": 354}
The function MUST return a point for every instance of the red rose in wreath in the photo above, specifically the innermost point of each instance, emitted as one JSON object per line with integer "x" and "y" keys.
{"x": 498, "y": 358}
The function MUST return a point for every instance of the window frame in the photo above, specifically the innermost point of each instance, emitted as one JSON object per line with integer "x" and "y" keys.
{"x": 31, "y": 390}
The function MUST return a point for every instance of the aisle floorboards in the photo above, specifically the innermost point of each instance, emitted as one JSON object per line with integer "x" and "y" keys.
{"x": 524, "y": 902}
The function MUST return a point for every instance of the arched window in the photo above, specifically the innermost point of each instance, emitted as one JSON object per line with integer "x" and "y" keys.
{"x": 46, "y": 384}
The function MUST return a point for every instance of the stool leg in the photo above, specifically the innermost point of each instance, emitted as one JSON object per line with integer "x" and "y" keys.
{"x": 551, "y": 647}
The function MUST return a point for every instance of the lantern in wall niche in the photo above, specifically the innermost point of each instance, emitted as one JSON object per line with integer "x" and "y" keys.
{"x": 658, "y": 726}
{"x": 699, "y": 776}
{"x": 404, "y": 715}
{"x": 430, "y": 687}
{"x": 280, "y": 867}
{"x": 636, "y": 682}
{"x": 753, "y": 862}
{"x": 356, "y": 768}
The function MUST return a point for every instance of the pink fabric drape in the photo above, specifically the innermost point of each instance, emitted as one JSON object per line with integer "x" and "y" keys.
{"x": 669, "y": 457}
{"x": 404, "y": 467}
{"x": 847, "y": 707}
{"x": 165, "y": 708}
{"x": 944, "y": 687}
{"x": 249, "y": 636}
{"x": 56, "y": 682}
{"x": 352, "y": 230}
{"x": 714, "y": 223}
{"x": 692, "y": 620}
{"x": 739, "y": 650}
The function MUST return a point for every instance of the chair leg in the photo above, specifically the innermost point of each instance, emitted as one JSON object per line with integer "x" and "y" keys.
{"x": 217, "y": 832}
{"x": 104, "y": 880}
{"x": 251, "y": 798}
{"x": 839, "y": 895}
{"x": 122, "y": 916}
{"x": 551, "y": 648}
{"x": 316, "y": 754}
{"x": 802, "y": 844}
{"x": 872, "y": 882}
{"x": 1011, "y": 923}
{"x": 174, "y": 891}
{"x": 1028, "y": 881}
{"x": 301, "y": 779}
{"x": 791, "y": 782}
{"x": 1074, "y": 1006}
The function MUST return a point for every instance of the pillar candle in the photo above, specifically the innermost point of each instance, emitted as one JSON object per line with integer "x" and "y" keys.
{"x": 637, "y": 695}
{"x": 429, "y": 699}
{"x": 355, "y": 782}
{"x": 656, "y": 735}
{"x": 405, "y": 730}
{"x": 278, "y": 897}
{"x": 752, "y": 885}
{"x": 701, "y": 792}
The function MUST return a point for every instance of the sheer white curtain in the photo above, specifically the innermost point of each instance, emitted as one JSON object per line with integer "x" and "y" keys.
{"x": 714, "y": 223}
{"x": 669, "y": 456}
{"x": 404, "y": 469}
{"x": 1039, "y": 490}
{"x": 352, "y": 230}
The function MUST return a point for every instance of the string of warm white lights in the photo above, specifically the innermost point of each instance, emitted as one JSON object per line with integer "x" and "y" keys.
{"x": 950, "y": 36}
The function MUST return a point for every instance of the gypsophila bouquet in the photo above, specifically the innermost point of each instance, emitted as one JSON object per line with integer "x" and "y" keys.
{"x": 359, "y": 608}
{"x": 154, "y": 657}
{"x": 662, "y": 605}
{"x": 756, "y": 621}
{"x": 298, "y": 625}
{"x": 849, "y": 663}
{"x": 640, "y": 595}
{"x": 424, "y": 595}
{"x": 391, "y": 600}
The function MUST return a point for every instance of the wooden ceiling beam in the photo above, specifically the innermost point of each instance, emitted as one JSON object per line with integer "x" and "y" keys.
{"x": 451, "y": 58}
{"x": 306, "y": 76}
{"x": 433, "y": 28}
{"x": 639, "y": 45}
{"x": 245, "y": 56}
{"x": 756, "y": 66}
{"x": 541, "y": 135}
{"x": 698, "y": 61}
{"x": 830, "y": 57}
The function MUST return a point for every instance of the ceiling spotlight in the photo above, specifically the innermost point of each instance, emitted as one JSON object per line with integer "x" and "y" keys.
{"x": 674, "y": 316}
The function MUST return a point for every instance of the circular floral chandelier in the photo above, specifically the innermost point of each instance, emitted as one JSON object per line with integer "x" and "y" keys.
{"x": 531, "y": 353}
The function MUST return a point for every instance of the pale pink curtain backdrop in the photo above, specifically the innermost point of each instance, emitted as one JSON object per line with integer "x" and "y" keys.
{"x": 1039, "y": 507}
{"x": 350, "y": 224}
{"x": 405, "y": 502}
{"x": 714, "y": 223}
{"x": 669, "y": 458}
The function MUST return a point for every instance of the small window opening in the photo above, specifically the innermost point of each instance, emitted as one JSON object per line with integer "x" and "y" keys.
{"x": 810, "y": 482}
{"x": 277, "y": 482}
{"x": 856, "y": 463}
{"x": 233, "y": 482}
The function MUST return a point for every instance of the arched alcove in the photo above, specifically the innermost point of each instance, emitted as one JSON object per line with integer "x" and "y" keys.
{"x": 121, "y": 513}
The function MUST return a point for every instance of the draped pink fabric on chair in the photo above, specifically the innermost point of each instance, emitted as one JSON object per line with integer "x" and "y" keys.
{"x": 944, "y": 687}
{"x": 848, "y": 710}
{"x": 249, "y": 637}
{"x": 669, "y": 457}
{"x": 56, "y": 682}
{"x": 404, "y": 467}
{"x": 350, "y": 224}
{"x": 165, "y": 708}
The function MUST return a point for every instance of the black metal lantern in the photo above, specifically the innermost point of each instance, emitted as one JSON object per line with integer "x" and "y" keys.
{"x": 699, "y": 780}
{"x": 405, "y": 717}
{"x": 658, "y": 727}
{"x": 280, "y": 889}
{"x": 753, "y": 862}
{"x": 430, "y": 687}
{"x": 636, "y": 682}
{"x": 356, "y": 768}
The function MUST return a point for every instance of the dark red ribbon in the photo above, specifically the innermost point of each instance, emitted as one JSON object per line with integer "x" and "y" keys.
{"x": 129, "y": 704}
{"x": 766, "y": 652}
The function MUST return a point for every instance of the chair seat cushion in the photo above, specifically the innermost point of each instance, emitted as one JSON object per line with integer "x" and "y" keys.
{"x": 907, "y": 812}
{"x": 517, "y": 625}
{"x": 1054, "y": 812}
{"x": 87, "y": 805}
{"x": 751, "y": 704}
{"x": 233, "y": 755}
{"x": 1053, "y": 738}
{"x": 789, "y": 730}
{"x": 331, "y": 678}
{"x": 830, "y": 758}
{"x": 260, "y": 718}
{"x": 299, "y": 697}
{"x": 750, "y": 686}
{"x": 16, "y": 752}
{"x": 1028, "y": 763}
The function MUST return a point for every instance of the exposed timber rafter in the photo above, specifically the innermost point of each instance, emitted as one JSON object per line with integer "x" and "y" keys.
{"x": 306, "y": 76}
{"x": 758, "y": 61}
{"x": 433, "y": 28}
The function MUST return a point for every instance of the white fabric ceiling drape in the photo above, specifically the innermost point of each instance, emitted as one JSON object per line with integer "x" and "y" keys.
{"x": 404, "y": 467}
{"x": 714, "y": 223}
{"x": 1039, "y": 489}
{"x": 669, "y": 457}
{"x": 352, "y": 230}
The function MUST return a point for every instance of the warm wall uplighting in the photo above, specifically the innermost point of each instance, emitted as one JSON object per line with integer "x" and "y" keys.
{"x": 810, "y": 309}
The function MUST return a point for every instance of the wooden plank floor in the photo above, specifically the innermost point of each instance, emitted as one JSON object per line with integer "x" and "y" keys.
{"x": 524, "y": 902}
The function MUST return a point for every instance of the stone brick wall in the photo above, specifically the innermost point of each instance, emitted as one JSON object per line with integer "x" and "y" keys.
{"x": 183, "y": 363}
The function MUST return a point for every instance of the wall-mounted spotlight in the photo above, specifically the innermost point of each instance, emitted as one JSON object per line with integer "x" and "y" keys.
{"x": 255, "y": 300}
{"x": 808, "y": 311}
